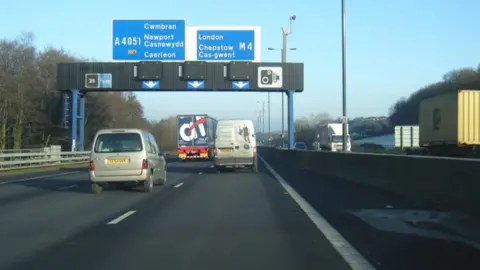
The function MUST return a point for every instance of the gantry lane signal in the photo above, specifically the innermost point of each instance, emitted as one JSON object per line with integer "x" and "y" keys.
{"x": 186, "y": 76}
{"x": 98, "y": 80}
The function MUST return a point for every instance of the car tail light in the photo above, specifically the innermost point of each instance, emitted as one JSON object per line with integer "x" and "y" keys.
{"x": 254, "y": 151}
{"x": 144, "y": 164}
{"x": 92, "y": 165}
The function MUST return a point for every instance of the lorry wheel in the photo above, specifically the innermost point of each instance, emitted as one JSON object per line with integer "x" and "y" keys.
{"x": 96, "y": 188}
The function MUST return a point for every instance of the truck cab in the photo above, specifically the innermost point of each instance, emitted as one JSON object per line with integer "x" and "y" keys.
{"x": 330, "y": 138}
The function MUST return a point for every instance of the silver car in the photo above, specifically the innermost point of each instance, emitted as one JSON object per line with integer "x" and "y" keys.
{"x": 120, "y": 156}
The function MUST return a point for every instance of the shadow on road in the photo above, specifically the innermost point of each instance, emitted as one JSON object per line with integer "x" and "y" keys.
{"x": 79, "y": 182}
{"x": 213, "y": 170}
{"x": 77, "y": 186}
{"x": 57, "y": 184}
{"x": 176, "y": 168}
{"x": 73, "y": 169}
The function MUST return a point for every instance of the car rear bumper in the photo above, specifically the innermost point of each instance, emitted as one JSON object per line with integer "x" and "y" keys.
{"x": 119, "y": 178}
{"x": 200, "y": 156}
{"x": 234, "y": 162}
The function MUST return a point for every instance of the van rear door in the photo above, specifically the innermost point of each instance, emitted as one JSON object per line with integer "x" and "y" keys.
{"x": 224, "y": 141}
{"x": 244, "y": 142}
{"x": 118, "y": 154}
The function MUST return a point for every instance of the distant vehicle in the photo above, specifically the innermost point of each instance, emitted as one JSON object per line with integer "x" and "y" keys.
{"x": 316, "y": 146}
{"x": 449, "y": 124}
{"x": 330, "y": 137}
{"x": 407, "y": 138}
{"x": 196, "y": 135}
{"x": 235, "y": 145}
{"x": 300, "y": 146}
{"x": 123, "y": 156}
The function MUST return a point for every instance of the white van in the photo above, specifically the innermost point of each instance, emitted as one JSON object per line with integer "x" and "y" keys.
{"x": 235, "y": 145}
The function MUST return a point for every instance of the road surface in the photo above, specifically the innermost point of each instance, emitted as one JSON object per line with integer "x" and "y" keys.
{"x": 200, "y": 220}
{"x": 203, "y": 220}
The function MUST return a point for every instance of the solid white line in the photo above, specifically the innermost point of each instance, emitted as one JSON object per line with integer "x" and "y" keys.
{"x": 37, "y": 177}
{"x": 67, "y": 187}
{"x": 178, "y": 185}
{"x": 200, "y": 172}
{"x": 343, "y": 247}
{"x": 122, "y": 217}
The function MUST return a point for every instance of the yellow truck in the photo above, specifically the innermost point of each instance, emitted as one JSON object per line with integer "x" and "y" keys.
{"x": 450, "y": 124}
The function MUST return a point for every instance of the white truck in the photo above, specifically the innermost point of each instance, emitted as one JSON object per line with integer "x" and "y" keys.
{"x": 330, "y": 138}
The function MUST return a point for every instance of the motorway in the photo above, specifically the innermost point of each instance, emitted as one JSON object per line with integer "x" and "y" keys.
{"x": 205, "y": 220}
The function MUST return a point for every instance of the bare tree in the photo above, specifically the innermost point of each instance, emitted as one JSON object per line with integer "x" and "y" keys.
{"x": 30, "y": 102}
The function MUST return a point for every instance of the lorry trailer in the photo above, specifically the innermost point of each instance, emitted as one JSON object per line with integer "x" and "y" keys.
{"x": 450, "y": 124}
{"x": 196, "y": 136}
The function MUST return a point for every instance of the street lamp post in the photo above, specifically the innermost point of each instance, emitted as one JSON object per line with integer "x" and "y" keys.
{"x": 258, "y": 122}
{"x": 344, "y": 81}
{"x": 263, "y": 116}
{"x": 268, "y": 141}
{"x": 285, "y": 32}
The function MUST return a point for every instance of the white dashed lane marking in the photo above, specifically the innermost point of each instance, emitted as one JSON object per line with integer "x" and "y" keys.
{"x": 67, "y": 187}
{"x": 178, "y": 185}
{"x": 122, "y": 217}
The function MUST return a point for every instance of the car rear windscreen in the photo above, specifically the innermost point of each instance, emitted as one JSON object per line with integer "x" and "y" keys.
{"x": 118, "y": 143}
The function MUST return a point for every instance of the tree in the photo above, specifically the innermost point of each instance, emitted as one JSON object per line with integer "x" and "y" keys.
{"x": 405, "y": 111}
{"x": 30, "y": 102}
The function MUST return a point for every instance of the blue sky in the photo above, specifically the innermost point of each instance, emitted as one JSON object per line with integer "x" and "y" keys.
{"x": 394, "y": 47}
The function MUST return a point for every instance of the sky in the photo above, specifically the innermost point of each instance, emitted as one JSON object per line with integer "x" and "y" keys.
{"x": 394, "y": 47}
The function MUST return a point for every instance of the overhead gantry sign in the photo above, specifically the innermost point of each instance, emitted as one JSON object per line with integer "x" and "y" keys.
{"x": 235, "y": 76}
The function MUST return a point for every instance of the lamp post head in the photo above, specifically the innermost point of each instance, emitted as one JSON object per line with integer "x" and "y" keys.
{"x": 293, "y": 18}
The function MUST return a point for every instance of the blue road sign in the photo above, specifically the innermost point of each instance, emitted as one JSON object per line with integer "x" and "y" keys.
{"x": 195, "y": 84}
{"x": 226, "y": 45}
{"x": 240, "y": 84}
{"x": 151, "y": 85}
{"x": 105, "y": 80}
{"x": 148, "y": 40}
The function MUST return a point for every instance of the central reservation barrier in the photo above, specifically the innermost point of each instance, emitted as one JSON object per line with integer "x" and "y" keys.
{"x": 447, "y": 182}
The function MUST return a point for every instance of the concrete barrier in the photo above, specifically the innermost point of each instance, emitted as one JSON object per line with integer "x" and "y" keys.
{"x": 451, "y": 183}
